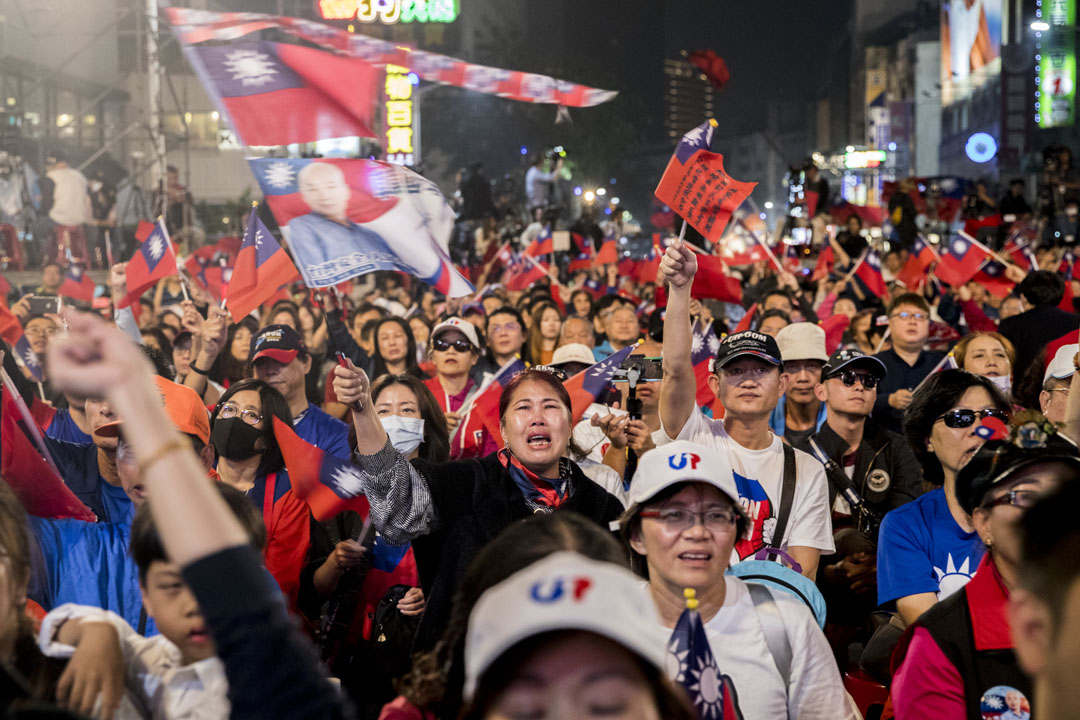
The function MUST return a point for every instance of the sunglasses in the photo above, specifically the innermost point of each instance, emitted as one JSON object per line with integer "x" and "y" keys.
{"x": 462, "y": 346}
{"x": 848, "y": 377}
{"x": 966, "y": 418}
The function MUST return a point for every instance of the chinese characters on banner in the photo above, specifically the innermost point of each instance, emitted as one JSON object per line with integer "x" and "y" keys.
{"x": 702, "y": 193}
{"x": 400, "y": 147}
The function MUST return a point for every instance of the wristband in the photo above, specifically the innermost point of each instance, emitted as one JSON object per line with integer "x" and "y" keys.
{"x": 199, "y": 371}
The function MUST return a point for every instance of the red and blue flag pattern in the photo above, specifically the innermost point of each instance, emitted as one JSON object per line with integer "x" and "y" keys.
{"x": 711, "y": 691}
{"x": 869, "y": 272}
{"x": 328, "y": 485}
{"x": 77, "y": 285}
{"x": 262, "y": 266}
{"x": 964, "y": 258}
{"x": 589, "y": 384}
{"x": 153, "y": 260}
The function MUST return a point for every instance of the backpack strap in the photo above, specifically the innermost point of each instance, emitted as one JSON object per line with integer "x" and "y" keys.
{"x": 787, "y": 497}
{"x": 772, "y": 625}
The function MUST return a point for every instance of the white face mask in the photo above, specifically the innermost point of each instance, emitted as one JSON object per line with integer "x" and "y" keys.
{"x": 405, "y": 433}
{"x": 1004, "y": 382}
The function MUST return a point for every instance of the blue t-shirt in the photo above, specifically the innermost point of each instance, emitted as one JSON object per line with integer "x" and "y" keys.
{"x": 64, "y": 428}
{"x": 78, "y": 465}
{"x": 324, "y": 431}
{"x": 922, "y": 549}
{"x": 88, "y": 564}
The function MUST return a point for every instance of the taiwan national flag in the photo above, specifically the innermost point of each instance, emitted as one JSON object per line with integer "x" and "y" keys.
{"x": 869, "y": 271}
{"x": 542, "y": 245}
{"x": 30, "y": 359}
{"x": 696, "y": 186}
{"x": 992, "y": 277}
{"x": 1018, "y": 249}
{"x": 328, "y": 485}
{"x": 711, "y": 691}
{"x": 913, "y": 274}
{"x": 484, "y": 414}
{"x": 77, "y": 285}
{"x": 205, "y": 272}
{"x": 32, "y": 477}
{"x": 964, "y": 258}
{"x": 826, "y": 260}
{"x": 153, "y": 260}
{"x": 584, "y": 261}
{"x": 590, "y": 383}
{"x": 277, "y": 94}
{"x": 1067, "y": 267}
{"x": 523, "y": 273}
{"x": 703, "y": 347}
{"x": 365, "y": 216}
{"x": 261, "y": 268}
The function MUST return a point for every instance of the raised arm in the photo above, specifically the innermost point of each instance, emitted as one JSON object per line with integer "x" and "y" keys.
{"x": 677, "y": 397}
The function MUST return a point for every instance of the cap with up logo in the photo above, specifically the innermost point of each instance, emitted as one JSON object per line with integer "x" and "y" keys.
{"x": 747, "y": 344}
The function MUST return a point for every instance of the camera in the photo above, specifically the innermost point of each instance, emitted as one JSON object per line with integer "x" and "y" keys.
{"x": 637, "y": 369}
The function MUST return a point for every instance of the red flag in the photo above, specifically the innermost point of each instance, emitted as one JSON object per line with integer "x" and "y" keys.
{"x": 35, "y": 482}
{"x": 584, "y": 261}
{"x": 276, "y": 94}
{"x": 10, "y": 327}
{"x": 523, "y": 273}
{"x": 153, "y": 260}
{"x": 591, "y": 382}
{"x": 608, "y": 254}
{"x": 206, "y": 273}
{"x": 963, "y": 259}
{"x": 747, "y": 320}
{"x": 834, "y": 328}
{"x": 328, "y": 485}
{"x": 696, "y": 187}
{"x": 1066, "y": 303}
{"x": 869, "y": 271}
{"x": 752, "y": 254}
{"x": 542, "y": 245}
{"x": 811, "y": 202}
{"x": 992, "y": 277}
{"x": 77, "y": 285}
{"x": 973, "y": 226}
{"x": 5, "y": 288}
{"x": 712, "y": 65}
{"x": 262, "y": 267}
{"x": 824, "y": 265}
{"x": 711, "y": 281}
{"x": 484, "y": 414}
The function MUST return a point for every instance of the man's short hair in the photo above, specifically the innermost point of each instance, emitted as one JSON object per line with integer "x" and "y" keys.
{"x": 1050, "y": 546}
{"x": 368, "y": 328}
{"x": 1042, "y": 287}
{"x": 913, "y": 299}
{"x": 778, "y": 291}
{"x": 146, "y": 546}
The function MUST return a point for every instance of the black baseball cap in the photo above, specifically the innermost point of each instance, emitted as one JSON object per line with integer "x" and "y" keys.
{"x": 842, "y": 358}
{"x": 279, "y": 342}
{"x": 748, "y": 343}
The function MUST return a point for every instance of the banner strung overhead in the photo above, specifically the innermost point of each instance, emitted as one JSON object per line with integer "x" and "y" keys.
{"x": 345, "y": 218}
{"x": 195, "y": 26}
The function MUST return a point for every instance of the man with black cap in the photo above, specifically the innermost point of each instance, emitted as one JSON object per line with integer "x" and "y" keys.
{"x": 865, "y": 465}
{"x": 782, "y": 490}
{"x": 278, "y": 356}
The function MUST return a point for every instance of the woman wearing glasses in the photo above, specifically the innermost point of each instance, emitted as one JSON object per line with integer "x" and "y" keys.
{"x": 959, "y": 661}
{"x": 928, "y": 548}
{"x": 242, "y": 433}
{"x": 681, "y": 526}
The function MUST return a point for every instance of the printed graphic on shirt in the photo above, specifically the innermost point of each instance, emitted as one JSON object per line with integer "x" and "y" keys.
{"x": 755, "y": 501}
{"x": 1003, "y": 702}
{"x": 953, "y": 578}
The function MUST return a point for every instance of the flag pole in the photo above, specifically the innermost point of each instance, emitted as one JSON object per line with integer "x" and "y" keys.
{"x": 41, "y": 390}
{"x": 30, "y": 426}
{"x": 986, "y": 249}
{"x": 108, "y": 248}
{"x": 881, "y": 344}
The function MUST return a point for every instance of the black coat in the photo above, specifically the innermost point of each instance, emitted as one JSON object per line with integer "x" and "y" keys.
{"x": 1031, "y": 331}
{"x": 474, "y": 501}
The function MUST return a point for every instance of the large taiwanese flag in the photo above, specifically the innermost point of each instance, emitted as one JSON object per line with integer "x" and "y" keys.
{"x": 913, "y": 274}
{"x": 869, "y": 271}
{"x": 328, "y": 485}
{"x": 392, "y": 219}
{"x": 153, "y": 260}
{"x": 589, "y": 384}
{"x": 484, "y": 414}
{"x": 77, "y": 285}
{"x": 696, "y": 186}
{"x": 703, "y": 347}
{"x": 277, "y": 94}
{"x": 962, "y": 261}
{"x": 262, "y": 266}
{"x": 26, "y": 470}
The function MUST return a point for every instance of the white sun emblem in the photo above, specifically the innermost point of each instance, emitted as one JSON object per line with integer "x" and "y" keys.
{"x": 279, "y": 174}
{"x": 714, "y": 343}
{"x": 346, "y": 482}
{"x": 695, "y": 344}
{"x": 31, "y": 359}
{"x": 993, "y": 702}
{"x": 952, "y": 578}
{"x": 250, "y": 67}
{"x": 959, "y": 246}
{"x": 709, "y": 693}
{"x": 695, "y": 136}
{"x": 157, "y": 247}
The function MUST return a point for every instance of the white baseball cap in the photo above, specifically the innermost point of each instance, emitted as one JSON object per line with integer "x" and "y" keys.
{"x": 678, "y": 462}
{"x": 572, "y": 352}
{"x": 564, "y": 591}
{"x": 465, "y": 327}
{"x": 802, "y": 341}
{"x": 1061, "y": 366}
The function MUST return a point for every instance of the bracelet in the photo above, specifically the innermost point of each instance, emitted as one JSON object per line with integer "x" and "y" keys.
{"x": 199, "y": 371}
{"x": 166, "y": 449}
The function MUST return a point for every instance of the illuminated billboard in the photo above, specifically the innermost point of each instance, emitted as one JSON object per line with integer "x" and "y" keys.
{"x": 1055, "y": 51}
{"x": 970, "y": 46}
{"x": 389, "y": 11}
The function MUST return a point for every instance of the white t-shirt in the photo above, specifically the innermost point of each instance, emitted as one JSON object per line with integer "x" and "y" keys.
{"x": 606, "y": 478}
{"x": 738, "y": 643}
{"x": 592, "y": 439}
{"x": 759, "y": 478}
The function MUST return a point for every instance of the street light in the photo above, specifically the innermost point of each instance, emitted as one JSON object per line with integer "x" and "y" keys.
{"x": 1040, "y": 26}
{"x": 589, "y": 196}
{"x": 601, "y": 191}
{"x": 768, "y": 205}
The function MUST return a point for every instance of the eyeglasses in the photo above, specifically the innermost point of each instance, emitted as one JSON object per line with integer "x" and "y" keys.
{"x": 905, "y": 315}
{"x": 1017, "y": 498}
{"x": 37, "y": 331}
{"x": 231, "y": 410}
{"x": 963, "y": 417}
{"x": 508, "y": 327}
{"x": 675, "y": 520}
{"x": 462, "y": 346}
{"x": 848, "y": 377}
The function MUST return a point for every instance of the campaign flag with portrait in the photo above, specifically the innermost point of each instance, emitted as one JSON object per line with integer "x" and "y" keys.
{"x": 346, "y": 218}
{"x": 696, "y": 186}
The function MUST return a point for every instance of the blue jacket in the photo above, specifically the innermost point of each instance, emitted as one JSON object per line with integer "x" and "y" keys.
{"x": 324, "y": 431}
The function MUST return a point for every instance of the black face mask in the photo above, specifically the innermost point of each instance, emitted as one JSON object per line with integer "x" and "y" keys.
{"x": 235, "y": 439}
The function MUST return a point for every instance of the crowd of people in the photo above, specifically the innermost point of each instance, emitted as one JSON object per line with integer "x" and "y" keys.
{"x": 862, "y": 502}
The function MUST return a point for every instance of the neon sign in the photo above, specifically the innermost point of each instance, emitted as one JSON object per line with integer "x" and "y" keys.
{"x": 389, "y": 12}
{"x": 1055, "y": 84}
{"x": 864, "y": 158}
{"x": 398, "y": 116}
{"x": 981, "y": 147}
